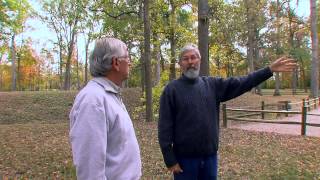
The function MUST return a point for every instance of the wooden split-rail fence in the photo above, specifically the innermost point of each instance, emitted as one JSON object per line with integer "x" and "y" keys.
{"x": 284, "y": 107}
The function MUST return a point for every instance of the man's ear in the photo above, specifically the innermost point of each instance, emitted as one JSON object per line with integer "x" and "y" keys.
{"x": 115, "y": 64}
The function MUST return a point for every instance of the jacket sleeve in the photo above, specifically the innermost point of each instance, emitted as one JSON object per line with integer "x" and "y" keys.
{"x": 88, "y": 136}
{"x": 165, "y": 128}
{"x": 235, "y": 86}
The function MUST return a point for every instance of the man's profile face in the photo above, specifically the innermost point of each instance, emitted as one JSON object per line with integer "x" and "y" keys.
{"x": 124, "y": 65}
{"x": 190, "y": 64}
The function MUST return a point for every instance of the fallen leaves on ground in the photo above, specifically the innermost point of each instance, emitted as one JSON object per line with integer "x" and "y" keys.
{"x": 34, "y": 142}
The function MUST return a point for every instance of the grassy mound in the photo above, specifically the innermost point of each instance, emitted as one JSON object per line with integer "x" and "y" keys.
{"x": 34, "y": 142}
{"x": 47, "y": 106}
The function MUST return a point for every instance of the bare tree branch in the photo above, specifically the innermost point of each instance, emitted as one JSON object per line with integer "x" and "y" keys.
{"x": 115, "y": 16}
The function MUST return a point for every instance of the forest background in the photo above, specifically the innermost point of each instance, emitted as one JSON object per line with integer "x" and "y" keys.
{"x": 44, "y": 50}
{"x": 235, "y": 37}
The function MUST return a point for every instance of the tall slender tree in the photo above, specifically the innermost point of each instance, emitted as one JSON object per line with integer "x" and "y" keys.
{"x": 66, "y": 25}
{"x": 172, "y": 40}
{"x": 315, "y": 61}
{"x": 13, "y": 63}
{"x": 251, "y": 25}
{"x": 203, "y": 36}
{"x": 13, "y": 15}
{"x": 147, "y": 59}
{"x": 278, "y": 51}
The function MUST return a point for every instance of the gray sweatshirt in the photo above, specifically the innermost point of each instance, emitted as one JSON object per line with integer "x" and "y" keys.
{"x": 104, "y": 145}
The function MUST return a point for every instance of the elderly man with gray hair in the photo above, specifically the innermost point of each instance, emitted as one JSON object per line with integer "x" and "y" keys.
{"x": 104, "y": 144}
{"x": 189, "y": 114}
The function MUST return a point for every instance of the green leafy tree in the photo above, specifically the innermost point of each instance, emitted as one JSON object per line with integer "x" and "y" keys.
{"x": 13, "y": 14}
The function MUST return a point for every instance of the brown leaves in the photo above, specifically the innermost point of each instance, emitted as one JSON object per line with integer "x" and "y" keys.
{"x": 40, "y": 149}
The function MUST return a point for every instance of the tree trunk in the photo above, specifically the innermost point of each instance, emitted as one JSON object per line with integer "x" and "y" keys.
{"x": 13, "y": 65}
{"x": 172, "y": 74}
{"x": 18, "y": 60}
{"x": 39, "y": 78}
{"x": 257, "y": 58}
{"x": 228, "y": 69}
{"x": 141, "y": 47}
{"x": 277, "y": 76}
{"x": 86, "y": 61}
{"x": 67, "y": 78}
{"x": 147, "y": 29}
{"x": 78, "y": 76}
{"x": 294, "y": 81}
{"x": 314, "y": 39}
{"x": 161, "y": 61}
{"x": 203, "y": 36}
{"x": 303, "y": 77}
{"x": 172, "y": 40}
{"x": 143, "y": 69}
{"x": 251, "y": 36}
{"x": 60, "y": 64}
{"x": 157, "y": 58}
{"x": 277, "y": 88}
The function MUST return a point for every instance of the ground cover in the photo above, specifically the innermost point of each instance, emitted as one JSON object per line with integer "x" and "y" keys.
{"x": 34, "y": 141}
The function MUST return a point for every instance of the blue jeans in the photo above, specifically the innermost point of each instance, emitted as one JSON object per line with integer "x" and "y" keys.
{"x": 202, "y": 168}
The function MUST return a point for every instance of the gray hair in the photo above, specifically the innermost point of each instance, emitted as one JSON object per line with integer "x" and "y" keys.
{"x": 101, "y": 57}
{"x": 189, "y": 47}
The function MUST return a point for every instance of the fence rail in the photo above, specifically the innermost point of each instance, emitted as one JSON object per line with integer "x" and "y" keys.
{"x": 306, "y": 105}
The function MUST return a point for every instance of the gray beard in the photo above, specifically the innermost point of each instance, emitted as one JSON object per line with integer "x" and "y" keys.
{"x": 192, "y": 73}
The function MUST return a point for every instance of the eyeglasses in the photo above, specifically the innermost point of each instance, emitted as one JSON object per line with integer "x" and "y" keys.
{"x": 127, "y": 58}
{"x": 192, "y": 58}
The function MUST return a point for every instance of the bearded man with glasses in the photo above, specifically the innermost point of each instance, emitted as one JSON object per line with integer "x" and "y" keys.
{"x": 188, "y": 127}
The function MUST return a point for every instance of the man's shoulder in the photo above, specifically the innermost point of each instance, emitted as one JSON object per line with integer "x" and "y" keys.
{"x": 172, "y": 84}
{"x": 92, "y": 88}
{"x": 209, "y": 79}
{"x": 91, "y": 92}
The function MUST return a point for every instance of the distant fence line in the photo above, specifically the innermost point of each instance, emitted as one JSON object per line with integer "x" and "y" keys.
{"x": 285, "y": 108}
{"x": 286, "y": 91}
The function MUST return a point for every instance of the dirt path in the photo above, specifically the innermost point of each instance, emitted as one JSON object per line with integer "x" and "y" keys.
{"x": 286, "y": 129}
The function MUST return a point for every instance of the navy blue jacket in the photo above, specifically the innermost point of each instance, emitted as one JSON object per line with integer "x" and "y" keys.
{"x": 189, "y": 113}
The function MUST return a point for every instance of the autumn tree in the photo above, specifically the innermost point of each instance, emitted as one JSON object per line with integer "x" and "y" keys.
{"x": 66, "y": 26}
{"x": 13, "y": 14}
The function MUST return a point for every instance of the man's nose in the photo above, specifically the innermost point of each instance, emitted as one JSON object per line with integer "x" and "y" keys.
{"x": 190, "y": 61}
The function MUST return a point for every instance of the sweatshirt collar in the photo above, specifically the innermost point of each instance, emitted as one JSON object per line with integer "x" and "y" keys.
{"x": 189, "y": 80}
{"x": 108, "y": 85}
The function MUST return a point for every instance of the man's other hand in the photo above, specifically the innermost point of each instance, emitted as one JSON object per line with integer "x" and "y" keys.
{"x": 283, "y": 64}
{"x": 175, "y": 169}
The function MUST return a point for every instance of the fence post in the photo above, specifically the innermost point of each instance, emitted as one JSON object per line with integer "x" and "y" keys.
{"x": 308, "y": 104}
{"x": 303, "y": 117}
{"x": 286, "y": 107}
{"x": 224, "y": 111}
{"x": 262, "y": 108}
